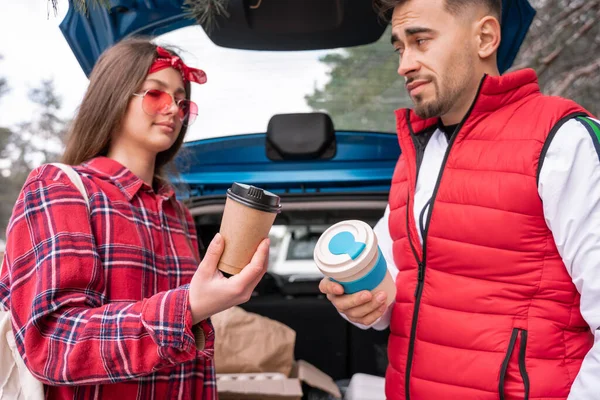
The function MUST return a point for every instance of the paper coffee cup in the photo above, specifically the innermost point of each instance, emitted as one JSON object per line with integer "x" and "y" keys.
{"x": 348, "y": 253}
{"x": 247, "y": 219}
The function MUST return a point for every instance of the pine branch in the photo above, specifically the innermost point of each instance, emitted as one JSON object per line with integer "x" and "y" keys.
{"x": 206, "y": 12}
{"x": 566, "y": 19}
{"x": 578, "y": 73}
{"x": 580, "y": 32}
{"x": 550, "y": 58}
{"x": 559, "y": 24}
{"x": 567, "y": 12}
{"x": 82, "y": 6}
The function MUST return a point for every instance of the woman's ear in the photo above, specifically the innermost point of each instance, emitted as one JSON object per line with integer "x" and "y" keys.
{"x": 488, "y": 32}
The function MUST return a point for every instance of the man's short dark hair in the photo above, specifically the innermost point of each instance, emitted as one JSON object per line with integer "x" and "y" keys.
{"x": 454, "y": 7}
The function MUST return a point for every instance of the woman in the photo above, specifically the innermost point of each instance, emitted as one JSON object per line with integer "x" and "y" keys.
{"x": 109, "y": 302}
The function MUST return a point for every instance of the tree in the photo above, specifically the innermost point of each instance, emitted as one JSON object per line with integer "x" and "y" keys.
{"x": 29, "y": 145}
{"x": 4, "y": 133}
{"x": 3, "y": 84}
{"x": 11, "y": 185}
{"x": 41, "y": 140}
{"x": 364, "y": 88}
{"x": 563, "y": 47}
{"x": 7, "y": 193}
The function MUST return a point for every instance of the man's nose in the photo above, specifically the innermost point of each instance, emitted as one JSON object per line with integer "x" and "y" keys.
{"x": 408, "y": 64}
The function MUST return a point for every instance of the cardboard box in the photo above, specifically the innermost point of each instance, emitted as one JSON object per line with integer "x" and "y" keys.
{"x": 265, "y": 386}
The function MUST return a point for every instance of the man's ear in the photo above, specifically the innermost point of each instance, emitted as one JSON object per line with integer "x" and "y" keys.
{"x": 488, "y": 35}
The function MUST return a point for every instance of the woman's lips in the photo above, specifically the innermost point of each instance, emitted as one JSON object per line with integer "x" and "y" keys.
{"x": 166, "y": 126}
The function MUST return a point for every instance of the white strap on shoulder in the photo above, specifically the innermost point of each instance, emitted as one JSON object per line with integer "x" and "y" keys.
{"x": 75, "y": 178}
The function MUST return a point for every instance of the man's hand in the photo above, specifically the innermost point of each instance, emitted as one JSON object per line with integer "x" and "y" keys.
{"x": 362, "y": 307}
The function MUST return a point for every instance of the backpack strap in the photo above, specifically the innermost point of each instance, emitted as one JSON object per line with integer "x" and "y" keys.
{"x": 75, "y": 178}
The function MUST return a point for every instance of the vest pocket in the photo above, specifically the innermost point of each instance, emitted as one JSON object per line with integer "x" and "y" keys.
{"x": 520, "y": 336}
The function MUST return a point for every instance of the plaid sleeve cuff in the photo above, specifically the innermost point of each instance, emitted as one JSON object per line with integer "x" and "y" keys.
{"x": 168, "y": 319}
{"x": 204, "y": 335}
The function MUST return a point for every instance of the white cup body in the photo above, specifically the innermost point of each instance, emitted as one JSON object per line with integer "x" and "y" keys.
{"x": 344, "y": 268}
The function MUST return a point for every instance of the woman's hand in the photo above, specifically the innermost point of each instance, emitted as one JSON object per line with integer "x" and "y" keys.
{"x": 211, "y": 292}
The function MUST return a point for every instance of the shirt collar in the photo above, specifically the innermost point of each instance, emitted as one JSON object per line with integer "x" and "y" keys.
{"x": 447, "y": 130}
{"x": 129, "y": 183}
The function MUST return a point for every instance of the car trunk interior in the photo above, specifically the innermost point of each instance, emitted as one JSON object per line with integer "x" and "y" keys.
{"x": 323, "y": 337}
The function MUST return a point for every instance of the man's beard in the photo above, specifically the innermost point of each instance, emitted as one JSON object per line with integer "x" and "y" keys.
{"x": 457, "y": 81}
{"x": 442, "y": 103}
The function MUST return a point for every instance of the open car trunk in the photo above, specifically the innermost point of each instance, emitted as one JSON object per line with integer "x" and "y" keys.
{"x": 323, "y": 176}
{"x": 289, "y": 291}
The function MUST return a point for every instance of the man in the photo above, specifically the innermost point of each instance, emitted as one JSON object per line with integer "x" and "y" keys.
{"x": 493, "y": 223}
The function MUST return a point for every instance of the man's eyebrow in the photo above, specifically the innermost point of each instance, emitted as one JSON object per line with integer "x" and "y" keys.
{"x": 411, "y": 32}
{"x": 417, "y": 30}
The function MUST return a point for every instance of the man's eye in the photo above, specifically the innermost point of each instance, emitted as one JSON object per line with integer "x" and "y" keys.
{"x": 421, "y": 41}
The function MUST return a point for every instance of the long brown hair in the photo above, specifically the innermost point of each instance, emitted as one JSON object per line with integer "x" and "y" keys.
{"x": 118, "y": 73}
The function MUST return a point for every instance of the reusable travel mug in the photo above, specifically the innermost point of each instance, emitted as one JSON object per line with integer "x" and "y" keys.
{"x": 247, "y": 219}
{"x": 348, "y": 254}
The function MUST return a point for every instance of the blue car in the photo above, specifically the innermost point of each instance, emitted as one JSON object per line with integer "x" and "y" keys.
{"x": 299, "y": 101}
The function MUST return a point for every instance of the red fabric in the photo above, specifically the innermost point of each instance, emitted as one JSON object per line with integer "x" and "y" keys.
{"x": 492, "y": 268}
{"x": 167, "y": 60}
{"x": 101, "y": 299}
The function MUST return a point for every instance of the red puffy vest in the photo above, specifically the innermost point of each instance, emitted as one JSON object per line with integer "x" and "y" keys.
{"x": 485, "y": 308}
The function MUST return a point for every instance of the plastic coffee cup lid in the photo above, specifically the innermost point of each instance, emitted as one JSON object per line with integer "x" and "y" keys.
{"x": 345, "y": 249}
{"x": 254, "y": 197}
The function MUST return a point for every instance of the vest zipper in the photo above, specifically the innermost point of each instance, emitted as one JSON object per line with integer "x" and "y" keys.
{"x": 522, "y": 368}
{"x": 423, "y": 263}
{"x": 504, "y": 368}
{"x": 423, "y": 211}
{"x": 420, "y": 145}
{"x": 414, "y": 250}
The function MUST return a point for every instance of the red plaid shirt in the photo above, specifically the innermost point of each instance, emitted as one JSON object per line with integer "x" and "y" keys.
{"x": 99, "y": 298}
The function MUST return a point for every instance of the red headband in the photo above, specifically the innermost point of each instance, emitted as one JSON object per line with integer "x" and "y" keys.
{"x": 167, "y": 60}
